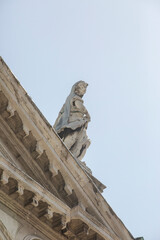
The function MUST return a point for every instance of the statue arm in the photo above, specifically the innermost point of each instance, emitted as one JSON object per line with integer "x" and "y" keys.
{"x": 81, "y": 107}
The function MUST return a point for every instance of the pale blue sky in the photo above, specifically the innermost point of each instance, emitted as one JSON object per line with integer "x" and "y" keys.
{"x": 114, "y": 45}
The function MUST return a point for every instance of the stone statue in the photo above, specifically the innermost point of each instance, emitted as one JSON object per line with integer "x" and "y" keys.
{"x": 72, "y": 121}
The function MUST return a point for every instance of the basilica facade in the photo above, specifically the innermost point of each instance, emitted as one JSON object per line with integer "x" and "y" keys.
{"x": 45, "y": 192}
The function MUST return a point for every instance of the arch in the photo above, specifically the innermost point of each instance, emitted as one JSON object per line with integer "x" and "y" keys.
{"x": 32, "y": 237}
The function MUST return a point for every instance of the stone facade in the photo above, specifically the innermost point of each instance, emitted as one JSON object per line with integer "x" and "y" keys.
{"x": 45, "y": 193}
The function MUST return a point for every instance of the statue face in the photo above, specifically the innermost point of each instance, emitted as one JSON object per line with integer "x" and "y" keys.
{"x": 81, "y": 89}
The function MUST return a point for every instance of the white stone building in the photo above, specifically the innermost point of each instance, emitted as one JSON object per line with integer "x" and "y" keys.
{"x": 44, "y": 192}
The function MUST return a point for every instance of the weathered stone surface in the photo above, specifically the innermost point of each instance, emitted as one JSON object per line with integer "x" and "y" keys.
{"x": 72, "y": 121}
{"x": 42, "y": 186}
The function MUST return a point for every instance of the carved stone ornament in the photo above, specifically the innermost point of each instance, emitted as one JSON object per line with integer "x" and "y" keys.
{"x": 72, "y": 121}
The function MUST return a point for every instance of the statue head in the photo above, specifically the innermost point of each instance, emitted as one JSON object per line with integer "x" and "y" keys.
{"x": 80, "y": 88}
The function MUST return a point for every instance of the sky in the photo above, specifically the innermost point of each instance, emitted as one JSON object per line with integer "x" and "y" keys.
{"x": 114, "y": 46}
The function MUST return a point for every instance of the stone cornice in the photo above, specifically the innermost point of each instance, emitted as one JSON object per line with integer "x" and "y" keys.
{"x": 29, "y": 217}
{"x": 26, "y": 182}
{"x": 57, "y": 152}
{"x": 10, "y": 196}
{"x": 38, "y": 142}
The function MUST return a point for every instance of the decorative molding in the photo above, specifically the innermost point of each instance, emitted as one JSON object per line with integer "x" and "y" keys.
{"x": 31, "y": 185}
{"x": 53, "y": 169}
{"x": 67, "y": 168}
{"x": 36, "y": 200}
{"x": 39, "y": 149}
{"x": 4, "y": 177}
{"x": 4, "y": 231}
{"x": 29, "y": 218}
{"x": 26, "y": 130}
{"x": 5, "y": 153}
{"x": 68, "y": 189}
{"x": 20, "y": 190}
{"x": 11, "y": 110}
